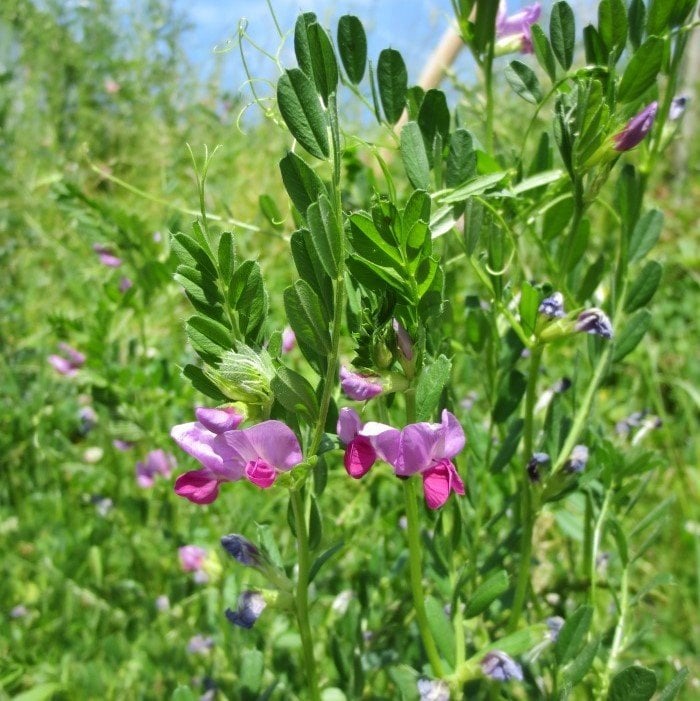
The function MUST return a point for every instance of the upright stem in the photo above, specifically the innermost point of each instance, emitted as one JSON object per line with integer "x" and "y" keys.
{"x": 528, "y": 511}
{"x": 618, "y": 638}
{"x": 488, "y": 85}
{"x": 301, "y": 599}
{"x": 414, "y": 549}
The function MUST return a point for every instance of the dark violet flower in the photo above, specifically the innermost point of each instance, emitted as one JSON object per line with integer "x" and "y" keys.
{"x": 359, "y": 451}
{"x": 200, "y": 645}
{"x": 422, "y": 448}
{"x": 69, "y": 362}
{"x": 595, "y": 321}
{"x": 289, "y": 339}
{"x": 122, "y": 445}
{"x": 359, "y": 387}
{"x": 636, "y": 129}
{"x": 533, "y": 467}
{"x": 552, "y": 306}
{"x": 501, "y": 667}
{"x": 431, "y": 690}
{"x": 678, "y": 106}
{"x": 251, "y": 604}
{"x": 577, "y": 460}
{"x": 88, "y": 419}
{"x": 516, "y": 28}
{"x": 242, "y": 550}
{"x": 157, "y": 462}
{"x": 192, "y": 557}
{"x": 403, "y": 340}
{"x": 106, "y": 256}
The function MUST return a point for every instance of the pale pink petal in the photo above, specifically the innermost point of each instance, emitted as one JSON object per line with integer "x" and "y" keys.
{"x": 289, "y": 339}
{"x": 349, "y": 424}
{"x": 195, "y": 440}
{"x": 453, "y": 438}
{"x": 218, "y": 420}
{"x": 62, "y": 366}
{"x": 359, "y": 387}
{"x": 274, "y": 442}
{"x": 418, "y": 448}
{"x": 191, "y": 557}
{"x": 385, "y": 439}
{"x": 74, "y": 356}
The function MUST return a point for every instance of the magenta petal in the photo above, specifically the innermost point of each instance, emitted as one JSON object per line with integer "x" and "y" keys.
{"x": 218, "y": 420}
{"x": 195, "y": 440}
{"x": 349, "y": 424}
{"x": 272, "y": 441}
{"x": 62, "y": 366}
{"x": 198, "y": 486}
{"x": 260, "y": 473}
{"x": 74, "y": 356}
{"x": 359, "y": 457}
{"x": 439, "y": 482}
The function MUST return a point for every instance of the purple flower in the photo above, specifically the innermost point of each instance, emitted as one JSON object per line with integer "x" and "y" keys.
{"x": 554, "y": 626}
{"x": 106, "y": 256}
{"x": 425, "y": 449}
{"x": 430, "y": 690}
{"x": 200, "y": 645}
{"x": 577, "y": 460}
{"x": 517, "y": 26}
{"x": 678, "y": 106}
{"x": 125, "y": 284}
{"x": 358, "y": 387}
{"x": 636, "y": 129}
{"x": 157, "y": 462}
{"x": 19, "y": 611}
{"x": 553, "y": 306}
{"x": 595, "y": 321}
{"x": 359, "y": 452}
{"x": 122, "y": 445}
{"x": 251, "y": 604}
{"x": 192, "y": 557}
{"x": 501, "y": 667}
{"x": 533, "y": 467}
{"x": 242, "y": 550}
{"x": 289, "y": 339}
{"x": 69, "y": 362}
{"x": 403, "y": 339}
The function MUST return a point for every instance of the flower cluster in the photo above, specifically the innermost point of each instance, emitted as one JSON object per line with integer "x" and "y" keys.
{"x": 227, "y": 454}
{"x": 420, "y": 448}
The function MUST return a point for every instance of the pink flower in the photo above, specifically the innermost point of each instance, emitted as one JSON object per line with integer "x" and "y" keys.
{"x": 357, "y": 386}
{"x": 69, "y": 362}
{"x": 158, "y": 462}
{"x": 636, "y": 128}
{"x": 191, "y": 558}
{"x": 257, "y": 453}
{"x": 518, "y": 25}
{"x": 106, "y": 256}
{"x": 289, "y": 339}
{"x": 111, "y": 86}
{"x": 359, "y": 452}
{"x": 425, "y": 449}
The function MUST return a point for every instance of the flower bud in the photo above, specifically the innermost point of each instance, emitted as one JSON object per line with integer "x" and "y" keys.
{"x": 242, "y": 550}
{"x": 636, "y": 128}
{"x": 553, "y": 306}
{"x": 251, "y": 604}
{"x": 595, "y": 321}
{"x": 501, "y": 667}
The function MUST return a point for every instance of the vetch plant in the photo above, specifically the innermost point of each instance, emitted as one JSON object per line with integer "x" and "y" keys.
{"x": 483, "y": 259}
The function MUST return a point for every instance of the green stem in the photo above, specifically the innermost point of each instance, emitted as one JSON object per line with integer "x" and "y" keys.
{"x": 414, "y": 549}
{"x": 616, "y": 647}
{"x": 301, "y": 599}
{"x": 487, "y": 67}
{"x": 528, "y": 510}
{"x": 595, "y": 545}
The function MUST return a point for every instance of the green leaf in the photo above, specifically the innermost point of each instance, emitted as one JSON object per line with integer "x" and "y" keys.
{"x": 304, "y": 313}
{"x": 202, "y": 383}
{"x": 645, "y": 234}
{"x": 628, "y": 198}
{"x": 46, "y": 691}
{"x": 640, "y": 73}
{"x": 392, "y": 79}
{"x": 315, "y": 525}
{"x": 302, "y": 50}
{"x": 636, "y": 16}
{"x": 326, "y": 234}
{"x": 485, "y": 24}
{"x": 370, "y": 244}
{"x": 635, "y": 683}
{"x": 529, "y": 302}
{"x": 377, "y": 277}
{"x": 644, "y": 287}
{"x": 252, "y": 665}
{"x": 562, "y": 33}
{"x": 546, "y": 177}
{"x": 620, "y": 540}
{"x": 208, "y": 336}
{"x": 310, "y": 269}
{"x": 248, "y": 296}
{"x": 302, "y": 112}
{"x": 510, "y": 393}
{"x": 578, "y": 668}
{"x": 670, "y": 691}
{"x": 612, "y": 25}
{"x": 193, "y": 255}
{"x": 434, "y": 117}
{"x": 543, "y": 51}
{"x": 486, "y": 593}
{"x": 572, "y": 634}
{"x": 659, "y": 15}
{"x": 524, "y": 82}
{"x": 271, "y": 212}
{"x": 198, "y": 285}
{"x": 414, "y": 156}
{"x": 441, "y": 628}
{"x": 295, "y": 393}
{"x": 509, "y": 446}
{"x": 632, "y": 334}
{"x": 474, "y": 187}
{"x": 415, "y": 213}
{"x": 323, "y": 558}
{"x": 227, "y": 256}
{"x": 594, "y": 47}
{"x": 352, "y": 46}
{"x": 323, "y": 61}
{"x": 431, "y": 382}
{"x": 461, "y": 158}
{"x": 301, "y": 183}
